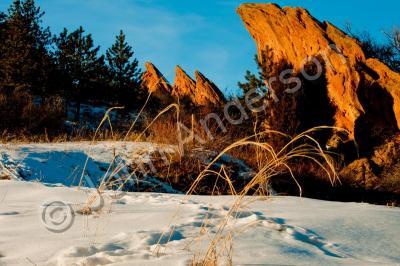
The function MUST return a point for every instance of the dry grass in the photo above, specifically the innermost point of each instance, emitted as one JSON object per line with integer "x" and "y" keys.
{"x": 271, "y": 163}
{"x": 269, "y": 160}
{"x": 76, "y": 136}
{"x": 5, "y": 177}
{"x": 109, "y": 179}
{"x": 275, "y": 163}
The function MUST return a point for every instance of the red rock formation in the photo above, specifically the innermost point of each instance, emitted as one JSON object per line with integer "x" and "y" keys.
{"x": 184, "y": 85}
{"x": 295, "y": 36}
{"x": 390, "y": 82}
{"x": 207, "y": 93}
{"x": 155, "y": 83}
{"x": 201, "y": 92}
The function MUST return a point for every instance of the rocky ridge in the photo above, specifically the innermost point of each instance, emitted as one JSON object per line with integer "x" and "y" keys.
{"x": 363, "y": 92}
{"x": 357, "y": 86}
{"x": 199, "y": 92}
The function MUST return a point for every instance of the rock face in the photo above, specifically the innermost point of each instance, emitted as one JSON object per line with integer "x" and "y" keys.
{"x": 207, "y": 93}
{"x": 389, "y": 81}
{"x": 156, "y": 83}
{"x": 361, "y": 90}
{"x": 184, "y": 85}
{"x": 201, "y": 92}
{"x": 360, "y": 171}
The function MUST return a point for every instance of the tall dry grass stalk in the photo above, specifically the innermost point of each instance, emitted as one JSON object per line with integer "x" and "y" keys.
{"x": 303, "y": 146}
{"x": 109, "y": 179}
{"x": 275, "y": 162}
{"x": 271, "y": 163}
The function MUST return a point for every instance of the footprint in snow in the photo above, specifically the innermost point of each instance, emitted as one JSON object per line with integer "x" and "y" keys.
{"x": 304, "y": 235}
{"x": 211, "y": 217}
{"x": 9, "y": 213}
{"x": 124, "y": 247}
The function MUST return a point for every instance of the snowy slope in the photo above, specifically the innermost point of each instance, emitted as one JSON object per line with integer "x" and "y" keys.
{"x": 64, "y": 163}
{"x": 281, "y": 230}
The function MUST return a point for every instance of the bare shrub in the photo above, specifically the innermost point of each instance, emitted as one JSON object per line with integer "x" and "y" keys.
{"x": 22, "y": 113}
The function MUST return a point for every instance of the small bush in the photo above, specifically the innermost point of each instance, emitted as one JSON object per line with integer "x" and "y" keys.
{"x": 21, "y": 112}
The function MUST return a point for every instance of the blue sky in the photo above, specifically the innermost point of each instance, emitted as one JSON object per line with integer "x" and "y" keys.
{"x": 199, "y": 34}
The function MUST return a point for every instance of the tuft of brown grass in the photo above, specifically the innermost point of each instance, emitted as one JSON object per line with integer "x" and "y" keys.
{"x": 275, "y": 162}
{"x": 270, "y": 161}
{"x": 5, "y": 177}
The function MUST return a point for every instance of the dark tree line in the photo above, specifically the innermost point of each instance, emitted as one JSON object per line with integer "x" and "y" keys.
{"x": 39, "y": 70}
{"x": 387, "y": 51}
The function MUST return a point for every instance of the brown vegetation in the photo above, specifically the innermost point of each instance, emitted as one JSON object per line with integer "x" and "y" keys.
{"x": 354, "y": 92}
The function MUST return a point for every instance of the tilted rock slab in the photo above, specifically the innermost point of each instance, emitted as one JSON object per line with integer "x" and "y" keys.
{"x": 295, "y": 36}
{"x": 207, "y": 93}
{"x": 201, "y": 92}
{"x": 156, "y": 84}
{"x": 184, "y": 85}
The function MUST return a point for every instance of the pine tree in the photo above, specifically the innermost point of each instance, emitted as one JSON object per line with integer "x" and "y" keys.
{"x": 124, "y": 71}
{"x": 253, "y": 82}
{"x": 80, "y": 66}
{"x": 24, "y": 57}
{"x": 2, "y": 25}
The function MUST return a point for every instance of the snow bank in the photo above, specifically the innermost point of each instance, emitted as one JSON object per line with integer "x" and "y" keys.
{"x": 74, "y": 163}
{"x": 281, "y": 230}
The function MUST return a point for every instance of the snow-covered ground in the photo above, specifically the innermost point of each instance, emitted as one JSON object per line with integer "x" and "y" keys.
{"x": 277, "y": 231}
{"x": 78, "y": 163}
{"x": 42, "y": 221}
{"x": 88, "y": 164}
